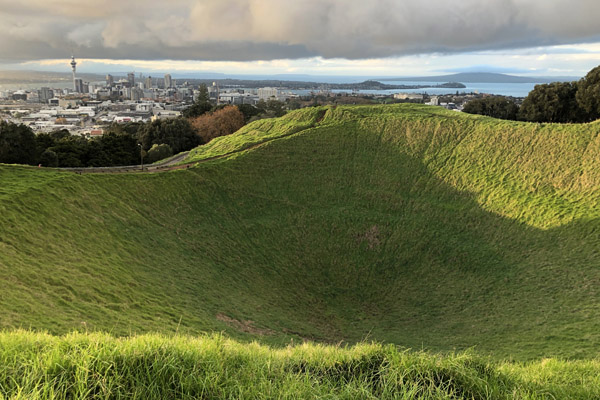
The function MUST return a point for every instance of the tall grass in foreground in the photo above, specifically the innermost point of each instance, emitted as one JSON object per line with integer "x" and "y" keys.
{"x": 99, "y": 366}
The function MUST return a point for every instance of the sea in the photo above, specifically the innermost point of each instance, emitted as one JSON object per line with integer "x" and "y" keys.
{"x": 504, "y": 89}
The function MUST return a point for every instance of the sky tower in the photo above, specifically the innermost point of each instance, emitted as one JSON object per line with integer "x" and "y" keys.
{"x": 74, "y": 67}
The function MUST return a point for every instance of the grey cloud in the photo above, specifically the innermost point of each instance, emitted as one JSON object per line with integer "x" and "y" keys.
{"x": 271, "y": 29}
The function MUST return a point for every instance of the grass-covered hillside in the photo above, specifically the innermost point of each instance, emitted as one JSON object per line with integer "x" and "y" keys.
{"x": 402, "y": 224}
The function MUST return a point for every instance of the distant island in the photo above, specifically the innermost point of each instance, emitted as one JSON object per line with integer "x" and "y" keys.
{"x": 302, "y": 85}
{"x": 485, "y": 77}
{"x": 375, "y": 85}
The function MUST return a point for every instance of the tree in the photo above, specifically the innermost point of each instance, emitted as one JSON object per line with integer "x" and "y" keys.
{"x": 203, "y": 96}
{"x": 588, "y": 94}
{"x": 159, "y": 152}
{"x": 275, "y": 108}
{"x": 17, "y": 144}
{"x": 201, "y": 105}
{"x": 71, "y": 151}
{"x": 493, "y": 106}
{"x": 130, "y": 128}
{"x": 248, "y": 111}
{"x": 219, "y": 123}
{"x": 60, "y": 134}
{"x": 114, "y": 149}
{"x": 553, "y": 102}
{"x": 271, "y": 108}
{"x": 178, "y": 133}
{"x": 43, "y": 142}
{"x": 294, "y": 104}
{"x": 49, "y": 158}
{"x": 97, "y": 156}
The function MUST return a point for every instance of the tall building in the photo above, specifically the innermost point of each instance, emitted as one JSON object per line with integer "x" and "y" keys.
{"x": 74, "y": 67}
{"x": 45, "y": 94}
{"x": 110, "y": 81}
{"x": 149, "y": 82}
{"x": 131, "y": 79}
{"x": 78, "y": 85}
{"x": 137, "y": 94}
{"x": 267, "y": 93}
{"x": 434, "y": 101}
{"x": 168, "y": 81}
{"x": 215, "y": 86}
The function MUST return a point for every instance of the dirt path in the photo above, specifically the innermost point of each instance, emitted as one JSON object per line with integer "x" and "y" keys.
{"x": 161, "y": 166}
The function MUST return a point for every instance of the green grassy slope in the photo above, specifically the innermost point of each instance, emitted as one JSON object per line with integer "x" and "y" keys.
{"x": 407, "y": 224}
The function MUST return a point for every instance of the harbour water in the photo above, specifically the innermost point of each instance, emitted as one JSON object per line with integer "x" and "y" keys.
{"x": 504, "y": 89}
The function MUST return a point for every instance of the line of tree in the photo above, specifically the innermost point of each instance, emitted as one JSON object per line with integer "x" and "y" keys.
{"x": 120, "y": 144}
{"x": 561, "y": 102}
{"x": 493, "y": 106}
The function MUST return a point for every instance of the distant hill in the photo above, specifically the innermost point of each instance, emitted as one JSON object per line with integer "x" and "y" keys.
{"x": 486, "y": 77}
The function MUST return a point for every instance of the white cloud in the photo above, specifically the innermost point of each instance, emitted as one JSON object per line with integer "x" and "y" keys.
{"x": 551, "y": 60}
{"x": 241, "y": 30}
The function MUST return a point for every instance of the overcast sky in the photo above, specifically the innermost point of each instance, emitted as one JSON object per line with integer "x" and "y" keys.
{"x": 349, "y": 37}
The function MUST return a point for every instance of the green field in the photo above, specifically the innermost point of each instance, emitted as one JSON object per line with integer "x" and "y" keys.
{"x": 410, "y": 225}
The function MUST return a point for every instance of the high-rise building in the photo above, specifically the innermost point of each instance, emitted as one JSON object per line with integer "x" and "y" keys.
{"x": 33, "y": 97}
{"x": 136, "y": 94}
{"x": 131, "y": 79}
{"x": 78, "y": 85}
{"x": 149, "y": 82}
{"x": 215, "y": 86}
{"x": 46, "y": 94}
{"x": 168, "y": 81}
{"x": 125, "y": 92}
{"x": 110, "y": 81}
{"x": 267, "y": 93}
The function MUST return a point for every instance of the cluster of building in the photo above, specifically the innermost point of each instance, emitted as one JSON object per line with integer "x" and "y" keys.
{"x": 147, "y": 90}
{"x": 88, "y": 119}
{"x": 166, "y": 89}
{"x": 87, "y": 106}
